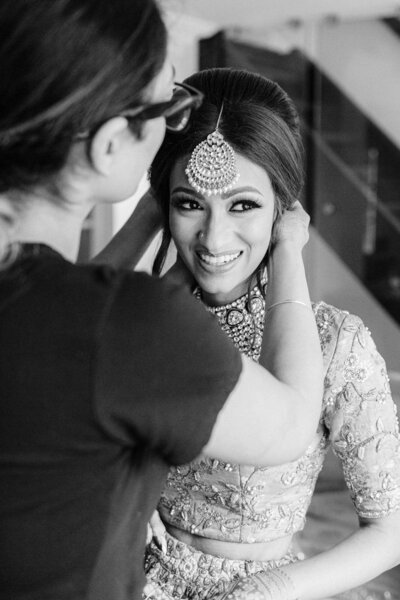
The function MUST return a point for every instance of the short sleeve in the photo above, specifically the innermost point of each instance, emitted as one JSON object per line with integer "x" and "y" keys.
{"x": 361, "y": 417}
{"x": 164, "y": 369}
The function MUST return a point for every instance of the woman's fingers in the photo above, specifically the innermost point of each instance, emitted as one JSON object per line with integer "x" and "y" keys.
{"x": 158, "y": 530}
{"x": 292, "y": 226}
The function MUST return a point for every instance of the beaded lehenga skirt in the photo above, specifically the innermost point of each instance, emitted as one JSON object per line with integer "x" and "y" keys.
{"x": 184, "y": 573}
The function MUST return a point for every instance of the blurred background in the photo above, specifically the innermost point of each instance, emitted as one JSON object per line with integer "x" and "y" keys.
{"x": 340, "y": 62}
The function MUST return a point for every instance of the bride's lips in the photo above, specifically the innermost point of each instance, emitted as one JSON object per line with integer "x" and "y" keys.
{"x": 217, "y": 262}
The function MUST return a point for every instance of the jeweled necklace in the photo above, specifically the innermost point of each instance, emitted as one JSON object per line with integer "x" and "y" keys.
{"x": 242, "y": 320}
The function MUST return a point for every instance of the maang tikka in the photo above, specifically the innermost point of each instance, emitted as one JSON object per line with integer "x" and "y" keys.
{"x": 212, "y": 165}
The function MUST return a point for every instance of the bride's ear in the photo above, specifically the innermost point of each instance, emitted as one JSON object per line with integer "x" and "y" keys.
{"x": 278, "y": 211}
{"x": 107, "y": 143}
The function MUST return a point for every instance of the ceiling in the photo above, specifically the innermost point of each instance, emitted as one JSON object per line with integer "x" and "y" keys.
{"x": 259, "y": 14}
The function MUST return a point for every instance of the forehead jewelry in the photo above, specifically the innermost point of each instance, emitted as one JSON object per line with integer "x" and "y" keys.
{"x": 212, "y": 165}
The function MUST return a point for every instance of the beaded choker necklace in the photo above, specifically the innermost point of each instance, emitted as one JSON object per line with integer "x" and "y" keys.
{"x": 242, "y": 320}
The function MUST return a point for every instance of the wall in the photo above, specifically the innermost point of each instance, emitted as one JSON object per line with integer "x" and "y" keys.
{"x": 361, "y": 57}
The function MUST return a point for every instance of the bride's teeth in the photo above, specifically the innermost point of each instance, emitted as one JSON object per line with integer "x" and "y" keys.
{"x": 219, "y": 260}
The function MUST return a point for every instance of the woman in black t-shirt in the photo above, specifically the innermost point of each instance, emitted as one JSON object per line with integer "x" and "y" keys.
{"x": 107, "y": 376}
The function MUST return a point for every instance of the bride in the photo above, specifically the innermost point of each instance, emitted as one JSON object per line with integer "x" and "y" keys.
{"x": 223, "y": 187}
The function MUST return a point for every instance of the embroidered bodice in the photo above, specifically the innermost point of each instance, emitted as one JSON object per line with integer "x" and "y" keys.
{"x": 247, "y": 504}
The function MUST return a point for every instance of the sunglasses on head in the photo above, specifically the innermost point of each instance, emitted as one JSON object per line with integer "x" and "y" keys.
{"x": 176, "y": 111}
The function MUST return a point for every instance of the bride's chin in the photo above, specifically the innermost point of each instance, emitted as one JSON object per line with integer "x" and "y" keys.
{"x": 217, "y": 290}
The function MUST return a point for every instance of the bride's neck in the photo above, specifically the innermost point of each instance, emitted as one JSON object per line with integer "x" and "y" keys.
{"x": 223, "y": 298}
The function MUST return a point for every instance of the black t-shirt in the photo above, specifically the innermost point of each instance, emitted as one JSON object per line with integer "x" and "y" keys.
{"x": 106, "y": 379}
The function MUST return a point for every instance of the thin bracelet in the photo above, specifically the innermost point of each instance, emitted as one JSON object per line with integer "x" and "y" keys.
{"x": 288, "y": 302}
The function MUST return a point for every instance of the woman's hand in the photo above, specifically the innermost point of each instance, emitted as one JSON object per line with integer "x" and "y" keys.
{"x": 156, "y": 531}
{"x": 243, "y": 589}
{"x": 292, "y": 227}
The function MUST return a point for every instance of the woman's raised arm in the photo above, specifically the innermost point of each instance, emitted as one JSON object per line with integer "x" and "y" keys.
{"x": 273, "y": 412}
{"x": 129, "y": 244}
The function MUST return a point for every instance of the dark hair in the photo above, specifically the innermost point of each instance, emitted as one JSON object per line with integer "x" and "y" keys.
{"x": 66, "y": 67}
{"x": 258, "y": 120}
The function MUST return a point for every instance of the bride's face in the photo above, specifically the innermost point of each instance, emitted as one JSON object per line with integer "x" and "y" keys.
{"x": 222, "y": 238}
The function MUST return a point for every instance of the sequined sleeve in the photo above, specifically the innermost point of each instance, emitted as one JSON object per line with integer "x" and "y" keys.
{"x": 361, "y": 417}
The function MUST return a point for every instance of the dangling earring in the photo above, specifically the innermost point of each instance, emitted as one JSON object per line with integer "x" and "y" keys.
{"x": 212, "y": 166}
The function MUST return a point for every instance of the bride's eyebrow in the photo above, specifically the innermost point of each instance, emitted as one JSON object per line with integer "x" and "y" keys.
{"x": 187, "y": 190}
{"x": 241, "y": 190}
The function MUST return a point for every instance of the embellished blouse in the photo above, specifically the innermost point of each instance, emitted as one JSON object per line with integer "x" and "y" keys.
{"x": 247, "y": 504}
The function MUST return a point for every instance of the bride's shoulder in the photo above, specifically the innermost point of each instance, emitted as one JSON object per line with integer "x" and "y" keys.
{"x": 333, "y": 322}
{"x": 327, "y": 316}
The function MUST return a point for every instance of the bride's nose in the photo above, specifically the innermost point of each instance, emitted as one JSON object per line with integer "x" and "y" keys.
{"x": 214, "y": 232}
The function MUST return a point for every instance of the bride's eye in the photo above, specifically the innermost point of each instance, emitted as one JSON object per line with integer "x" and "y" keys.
{"x": 185, "y": 204}
{"x": 244, "y": 205}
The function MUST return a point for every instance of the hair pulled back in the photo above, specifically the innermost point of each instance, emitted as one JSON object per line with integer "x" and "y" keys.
{"x": 258, "y": 120}
{"x": 67, "y": 66}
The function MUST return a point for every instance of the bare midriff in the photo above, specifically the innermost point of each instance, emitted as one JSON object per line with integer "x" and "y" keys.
{"x": 263, "y": 551}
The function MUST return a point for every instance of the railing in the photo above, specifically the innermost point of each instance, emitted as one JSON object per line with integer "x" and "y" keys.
{"x": 369, "y": 195}
{"x": 363, "y": 231}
